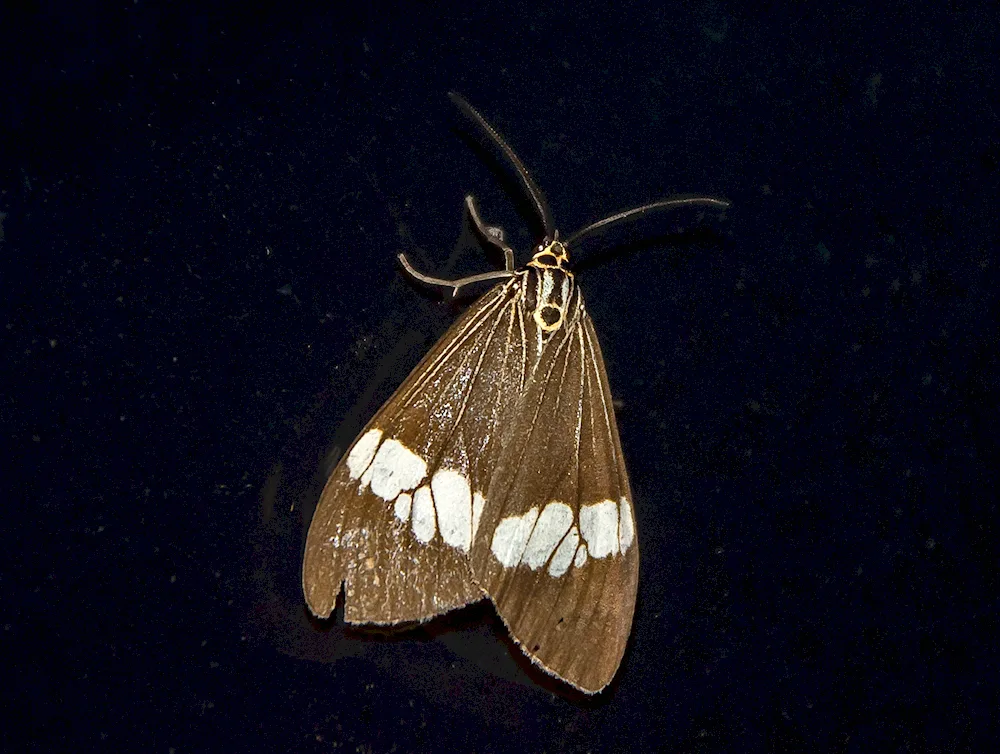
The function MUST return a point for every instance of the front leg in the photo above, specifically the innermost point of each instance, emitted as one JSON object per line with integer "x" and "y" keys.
{"x": 491, "y": 234}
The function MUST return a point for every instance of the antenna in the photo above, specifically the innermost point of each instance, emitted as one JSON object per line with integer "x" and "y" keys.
{"x": 671, "y": 203}
{"x": 535, "y": 193}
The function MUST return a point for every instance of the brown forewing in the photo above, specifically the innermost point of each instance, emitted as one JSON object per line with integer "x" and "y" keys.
{"x": 562, "y": 444}
{"x": 449, "y": 411}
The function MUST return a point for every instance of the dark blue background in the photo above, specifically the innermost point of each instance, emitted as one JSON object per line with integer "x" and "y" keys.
{"x": 201, "y": 307}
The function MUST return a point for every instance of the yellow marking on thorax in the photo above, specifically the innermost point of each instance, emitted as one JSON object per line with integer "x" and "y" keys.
{"x": 555, "y": 285}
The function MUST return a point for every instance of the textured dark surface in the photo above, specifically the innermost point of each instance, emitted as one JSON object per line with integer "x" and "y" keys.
{"x": 200, "y": 302}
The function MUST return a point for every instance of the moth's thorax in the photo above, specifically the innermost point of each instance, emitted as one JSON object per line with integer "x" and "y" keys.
{"x": 548, "y": 285}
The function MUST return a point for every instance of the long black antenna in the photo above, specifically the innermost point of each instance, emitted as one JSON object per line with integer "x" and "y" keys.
{"x": 671, "y": 203}
{"x": 535, "y": 193}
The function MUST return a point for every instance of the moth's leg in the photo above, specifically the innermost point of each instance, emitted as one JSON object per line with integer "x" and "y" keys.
{"x": 491, "y": 234}
{"x": 455, "y": 285}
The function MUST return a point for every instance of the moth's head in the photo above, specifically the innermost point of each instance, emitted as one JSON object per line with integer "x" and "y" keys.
{"x": 551, "y": 255}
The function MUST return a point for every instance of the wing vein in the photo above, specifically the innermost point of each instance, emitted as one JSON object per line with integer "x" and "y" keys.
{"x": 457, "y": 342}
{"x": 538, "y": 405}
{"x": 474, "y": 379}
{"x": 608, "y": 425}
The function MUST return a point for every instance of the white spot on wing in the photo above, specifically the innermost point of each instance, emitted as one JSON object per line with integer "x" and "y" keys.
{"x": 510, "y": 537}
{"x": 478, "y": 503}
{"x": 626, "y": 527}
{"x": 402, "y": 506}
{"x": 561, "y": 561}
{"x": 362, "y": 453}
{"x": 599, "y": 527}
{"x": 453, "y": 502}
{"x": 423, "y": 515}
{"x": 581, "y": 556}
{"x": 552, "y": 525}
{"x": 396, "y": 468}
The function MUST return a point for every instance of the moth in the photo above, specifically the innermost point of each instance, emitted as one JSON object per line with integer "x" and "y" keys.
{"x": 495, "y": 470}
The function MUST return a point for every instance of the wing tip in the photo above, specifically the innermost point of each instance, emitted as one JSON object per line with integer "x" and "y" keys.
{"x": 589, "y": 687}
